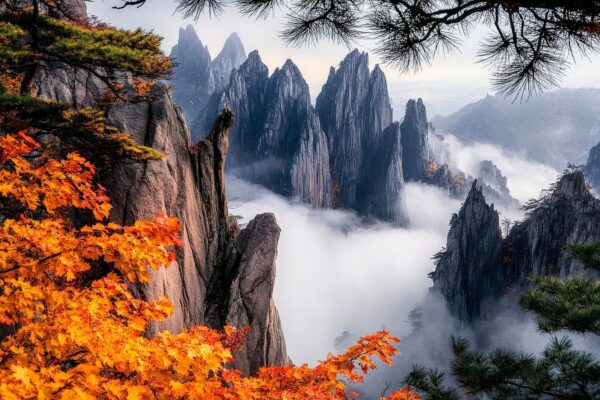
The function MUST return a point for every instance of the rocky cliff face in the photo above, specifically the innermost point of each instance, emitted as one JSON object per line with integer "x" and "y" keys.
{"x": 221, "y": 275}
{"x": 214, "y": 262}
{"x": 478, "y": 266}
{"x": 354, "y": 109}
{"x": 415, "y": 133}
{"x": 382, "y": 189}
{"x": 277, "y": 141}
{"x": 592, "y": 168}
{"x": 567, "y": 213}
{"x": 467, "y": 272}
{"x": 365, "y": 152}
{"x": 197, "y": 76}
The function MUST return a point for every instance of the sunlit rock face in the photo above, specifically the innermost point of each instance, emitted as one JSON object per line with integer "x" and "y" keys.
{"x": 478, "y": 266}
{"x": 277, "y": 140}
{"x": 218, "y": 266}
{"x": 196, "y": 76}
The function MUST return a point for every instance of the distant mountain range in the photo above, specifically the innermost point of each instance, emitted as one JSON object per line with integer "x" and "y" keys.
{"x": 345, "y": 152}
{"x": 197, "y": 75}
{"x": 555, "y": 129}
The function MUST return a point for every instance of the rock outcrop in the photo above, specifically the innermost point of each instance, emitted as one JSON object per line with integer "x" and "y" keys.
{"x": 567, "y": 213}
{"x": 467, "y": 272}
{"x": 382, "y": 189}
{"x": 592, "y": 168}
{"x": 491, "y": 174}
{"x": 415, "y": 133}
{"x": 197, "y": 76}
{"x": 365, "y": 153}
{"x": 220, "y": 275}
{"x": 277, "y": 141}
{"x": 478, "y": 266}
{"x": 214, "y": 261}
{"x": 495, "y": 185}
{"x": 250, "y": 301}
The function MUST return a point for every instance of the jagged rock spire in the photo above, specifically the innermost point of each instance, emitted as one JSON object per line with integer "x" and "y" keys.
{"x": 193, "y": 79}
{"x": 277, "y": 141}
{"x": 415, "y": 132}
{"x": 466, "y": 269}
{"x": 478, "y": 266}
{"x": 354, "y": 109}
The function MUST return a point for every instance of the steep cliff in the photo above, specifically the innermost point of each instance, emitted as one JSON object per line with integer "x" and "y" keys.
{"x": 218, "y": 267}
{"x": 232, "y": 55}
{"x": 382, "y": 189}
{"x": 467, "y": 272}
{"x": 478, "y": 266}
{"x": 415, "y": 133}
{"x": 365, "y": 152}
{"x": 592, "y": 168}
{"x": 277, "y": 141}
{"x": 190, "y": 184}
{"x": 354, "y": 108}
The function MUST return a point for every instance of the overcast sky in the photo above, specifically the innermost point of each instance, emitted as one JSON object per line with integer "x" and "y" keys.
{"x": 447, "y": 85}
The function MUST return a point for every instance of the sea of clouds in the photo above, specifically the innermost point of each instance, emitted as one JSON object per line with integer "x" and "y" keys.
{"x": 338, "y": 279}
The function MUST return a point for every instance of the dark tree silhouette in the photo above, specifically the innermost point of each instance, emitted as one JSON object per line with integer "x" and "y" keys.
{"x": 529, "y": 46}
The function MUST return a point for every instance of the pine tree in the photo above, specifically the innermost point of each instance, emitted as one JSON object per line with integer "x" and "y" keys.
{"x": 38, "y": 36}
{"x": 560, "y": 372}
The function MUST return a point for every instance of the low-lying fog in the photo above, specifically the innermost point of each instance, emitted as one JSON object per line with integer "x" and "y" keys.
{"x": 335, "y": 275}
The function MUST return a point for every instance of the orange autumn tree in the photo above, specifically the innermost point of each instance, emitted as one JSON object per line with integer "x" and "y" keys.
{"x": 71, "y": 327}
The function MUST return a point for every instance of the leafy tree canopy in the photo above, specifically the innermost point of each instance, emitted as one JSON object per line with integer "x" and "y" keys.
{"x": 76, "y": 330}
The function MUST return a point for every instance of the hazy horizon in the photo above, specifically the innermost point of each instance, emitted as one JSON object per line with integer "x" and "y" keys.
{"x": 447, "y": 85}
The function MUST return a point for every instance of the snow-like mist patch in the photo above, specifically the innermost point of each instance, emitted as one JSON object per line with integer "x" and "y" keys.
{"x": 334, "y": 275}
{"x": 526, "y": 179}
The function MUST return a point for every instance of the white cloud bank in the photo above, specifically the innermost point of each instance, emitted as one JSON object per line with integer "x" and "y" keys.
{"x": 526, "y": 179}
{"x": 335, "y": 274}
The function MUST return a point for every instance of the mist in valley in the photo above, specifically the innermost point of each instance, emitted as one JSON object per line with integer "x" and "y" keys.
{"x": 339, "y": 278}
